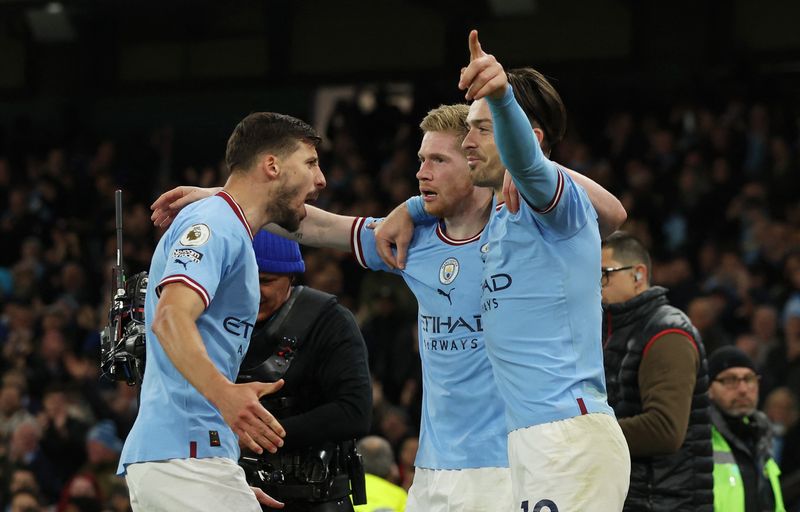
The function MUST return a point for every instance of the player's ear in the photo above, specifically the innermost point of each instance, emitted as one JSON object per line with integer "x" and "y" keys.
{"x": 269, "y": 166}
{"x": 539, "y": 135}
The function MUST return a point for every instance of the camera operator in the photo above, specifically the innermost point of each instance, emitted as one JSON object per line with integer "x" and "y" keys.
{"x": 305, "y": 337}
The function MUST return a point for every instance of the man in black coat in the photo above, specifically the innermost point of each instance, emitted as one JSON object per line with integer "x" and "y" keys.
{"x": 306, "y": 338}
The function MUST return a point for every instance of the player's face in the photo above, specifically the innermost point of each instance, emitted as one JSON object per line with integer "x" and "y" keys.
{"x": 301, "y": 181}
{"x": 274, "y": 290}
{"x": 735, "y": 391}
{"x": 616, "y": 285}
{"x": 443, "y": 174}
{"x": 486, "y": 168}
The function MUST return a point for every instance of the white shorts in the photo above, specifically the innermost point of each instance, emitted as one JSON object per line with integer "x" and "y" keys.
{"x": 577, "y": 464}
{"x": 208, "y": 484}
{"x": 461, "y": 490}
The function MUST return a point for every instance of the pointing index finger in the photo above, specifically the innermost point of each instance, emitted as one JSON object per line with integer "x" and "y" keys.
{"x": 475, "y": 50}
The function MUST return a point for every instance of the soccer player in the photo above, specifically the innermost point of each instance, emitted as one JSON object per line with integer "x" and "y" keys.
{"x": 462, "y": 461}
{"x": 541, "y": 298}
{"x": 201, "y": 305}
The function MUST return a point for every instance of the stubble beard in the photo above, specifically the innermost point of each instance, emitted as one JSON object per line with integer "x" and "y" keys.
{"x": 282, "y": 213}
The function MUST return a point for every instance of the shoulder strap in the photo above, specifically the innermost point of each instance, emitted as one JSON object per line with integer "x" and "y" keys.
{"x": 273, "y": 347}
{"x": 298, "y": 314}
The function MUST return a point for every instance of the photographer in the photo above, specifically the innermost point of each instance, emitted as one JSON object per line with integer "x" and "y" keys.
{"x": 310, "y": 341}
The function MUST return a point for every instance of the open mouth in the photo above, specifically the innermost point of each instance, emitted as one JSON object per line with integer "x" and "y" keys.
{"x": 428, "y": 195}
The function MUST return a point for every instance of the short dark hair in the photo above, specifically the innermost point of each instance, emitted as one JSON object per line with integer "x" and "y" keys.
{"x": 541, "y": 103}
{"x": 628, "y": 250}
{"x": 266, "y": 131}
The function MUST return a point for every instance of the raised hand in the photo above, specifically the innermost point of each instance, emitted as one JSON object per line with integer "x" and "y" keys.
{"x": 484, "y": 76}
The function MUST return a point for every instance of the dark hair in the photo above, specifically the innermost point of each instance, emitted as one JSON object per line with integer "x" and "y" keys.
{"x": 628, "y": 250}
{"x": 541, "y": 103}
{"x": 266, "y": 131}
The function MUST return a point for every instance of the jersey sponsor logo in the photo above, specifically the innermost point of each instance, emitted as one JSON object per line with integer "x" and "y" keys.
{"x": 448, "y": 271}
{"x": 496, "y": 283}
{"x": 196, "y": 235}
{"x": 448, "y": 324}
{"x": 450, "y": 345}
{"x": 237, "y": 326}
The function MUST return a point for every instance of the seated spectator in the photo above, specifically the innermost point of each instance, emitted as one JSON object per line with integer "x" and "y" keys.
{"x": 25, "y": 500}
{"x": 103, "y": 448}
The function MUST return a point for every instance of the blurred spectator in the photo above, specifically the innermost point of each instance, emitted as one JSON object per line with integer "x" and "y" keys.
{"x": 383, "y": 495}
{"x": 25, "y": 500}
{"x": 103, "y": 448}
{"x": 63, "y": 436}
{"x": 24, "y": 452}
{"x": 782, "y": 410}
{"x": 12, "y": 412}
{"x": 81, "y": 494}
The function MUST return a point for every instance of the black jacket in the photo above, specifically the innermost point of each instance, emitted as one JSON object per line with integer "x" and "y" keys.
{"x": 327, "y": 394}
{"x": 682, "y": 480}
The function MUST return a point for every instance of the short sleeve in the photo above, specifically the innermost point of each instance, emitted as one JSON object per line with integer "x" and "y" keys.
{"x": 196, "y": 256}
{"x": 362, "y": 243}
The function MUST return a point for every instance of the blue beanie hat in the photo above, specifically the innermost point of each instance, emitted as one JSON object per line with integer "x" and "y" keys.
{"x": 105, "y": 432}
{"x": 277, "y": 255}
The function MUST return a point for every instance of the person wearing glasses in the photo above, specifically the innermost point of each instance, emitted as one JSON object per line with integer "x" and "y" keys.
{"x": 656, "y": 379}
{"x": 745, "y": 474}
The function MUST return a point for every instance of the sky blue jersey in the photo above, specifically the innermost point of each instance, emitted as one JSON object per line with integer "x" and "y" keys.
{"x": 541, "y": 285}
{"x": 209, "y": 249}
{"x": 462, "y": 422}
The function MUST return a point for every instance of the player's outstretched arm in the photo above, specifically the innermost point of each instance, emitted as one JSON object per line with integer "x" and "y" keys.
{"x": 174, "y": 325}
{"x": 318, "y": 229}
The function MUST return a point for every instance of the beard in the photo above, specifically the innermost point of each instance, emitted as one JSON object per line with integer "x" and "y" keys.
{"x": 484, "y": 176}
{"x": 281, "y": 211}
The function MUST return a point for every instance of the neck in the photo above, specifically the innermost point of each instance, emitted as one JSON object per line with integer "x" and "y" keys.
{"x": 471, "y": 217}
{"x": 250, "y": 198}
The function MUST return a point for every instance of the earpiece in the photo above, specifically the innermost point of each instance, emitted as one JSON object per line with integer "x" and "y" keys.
{"x": 637, "y": 276}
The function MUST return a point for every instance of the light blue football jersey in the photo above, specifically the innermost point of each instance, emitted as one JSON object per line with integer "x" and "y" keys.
{"x": 462, "y": 422}
{"x": 541, "y": 286}
{"x": 209, "y": 249}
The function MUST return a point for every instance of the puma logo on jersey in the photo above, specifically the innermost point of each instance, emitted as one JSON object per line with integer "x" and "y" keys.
{"x": 446, "y": 294}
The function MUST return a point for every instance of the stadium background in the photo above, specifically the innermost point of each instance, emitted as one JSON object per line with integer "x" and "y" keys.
{"x": 688, "y": 111}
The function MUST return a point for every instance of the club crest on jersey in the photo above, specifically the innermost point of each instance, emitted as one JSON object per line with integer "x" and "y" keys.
{"x": 196, "y": 235}
{"x": 485, "y": 248}
{"x": 448, "y": 271}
